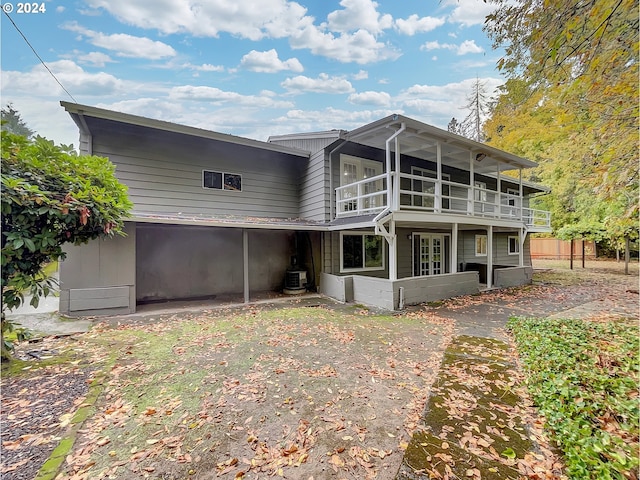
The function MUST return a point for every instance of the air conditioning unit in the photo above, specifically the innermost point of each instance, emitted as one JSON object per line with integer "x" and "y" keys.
{"x": 295, "y": 282}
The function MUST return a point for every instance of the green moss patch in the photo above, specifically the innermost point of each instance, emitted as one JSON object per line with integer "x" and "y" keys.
{"x": 473, "y": 425}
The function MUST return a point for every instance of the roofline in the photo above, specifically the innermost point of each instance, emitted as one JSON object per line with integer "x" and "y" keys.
{"x": 307, "y": 135}
{"x": 85, "y": 110}
{"x": 227, "y": 223}
{"x": 446, "y": 136}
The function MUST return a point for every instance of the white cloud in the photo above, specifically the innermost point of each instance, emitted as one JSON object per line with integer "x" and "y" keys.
{"x": 219, "y": 97}
{"x": 94, "y": 59}
{"x": 205, "y": 67}
{"x": 437, "y": 104}
{"x": 60, "y": 9}
{"x": 326, "y": 119}
{"x": 353, "y": 38}
{"x": 268, "y": 62}
{"x": 469, "y": 12}
{"x": 414, "y": 24}
{"x": 323, "y": 84}
{"x": 124, "y": 45}
{"x": 244, "y": 18}
{"x": 468, "y": 46}
{"x": 380, "y": 99}
{"x": 359, "y": 15}
{"x": 361, "y": 75}
{"x": 38, "y": 81}
{"x": 360, "y": 47}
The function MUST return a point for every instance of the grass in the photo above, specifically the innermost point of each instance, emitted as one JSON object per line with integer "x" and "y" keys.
{"x": 584, "y": 378}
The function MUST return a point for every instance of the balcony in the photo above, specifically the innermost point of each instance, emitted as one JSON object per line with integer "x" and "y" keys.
{"x": 423, "y": 194}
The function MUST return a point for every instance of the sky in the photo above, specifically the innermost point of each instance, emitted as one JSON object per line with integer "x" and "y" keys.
{"x": 252, "y": 68}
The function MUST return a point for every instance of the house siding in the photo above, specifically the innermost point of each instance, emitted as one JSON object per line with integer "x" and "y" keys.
{"x": 168, "y": 178}
{"x": 314, "y": 189}
{"x": 501, "y": 257}
{"x": 100, "y": 277}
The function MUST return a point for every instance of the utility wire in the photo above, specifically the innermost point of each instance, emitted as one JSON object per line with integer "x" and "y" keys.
{"x": 39, "y": 58}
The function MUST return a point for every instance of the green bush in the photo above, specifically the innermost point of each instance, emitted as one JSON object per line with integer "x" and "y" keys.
{"x": 583, "y": 376}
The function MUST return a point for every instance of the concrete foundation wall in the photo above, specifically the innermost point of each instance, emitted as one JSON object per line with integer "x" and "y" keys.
{"x": 334, "y": 286}
{"x": 99, "y": 278}
{"x": 385, "y": 294}
{"x": 512, "y": 276}
{"x": 437, "y": 287}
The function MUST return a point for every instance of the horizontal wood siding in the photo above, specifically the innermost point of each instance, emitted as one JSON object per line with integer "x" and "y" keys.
{"x": 314, "y": 189}
{"x": 405, "y": 253}
{"x": 467, "y": 249}
{"x": 164, "y": 174}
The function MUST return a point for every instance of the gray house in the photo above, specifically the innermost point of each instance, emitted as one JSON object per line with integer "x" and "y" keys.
{"x": 396, "y": 212}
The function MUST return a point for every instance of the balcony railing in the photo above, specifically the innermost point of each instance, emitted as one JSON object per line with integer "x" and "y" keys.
{"x": 418, "y": 193}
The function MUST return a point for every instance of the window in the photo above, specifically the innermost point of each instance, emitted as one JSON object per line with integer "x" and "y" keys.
{"x": 354, "y": 169}
{"x": 221, "y": 181}
{"x": 480, "y": 194}
{"x": 361, "y": 251}
{"x": 481, "y": 245}
{"x": 514, "y": 245}
{"x": 429, "y": 187}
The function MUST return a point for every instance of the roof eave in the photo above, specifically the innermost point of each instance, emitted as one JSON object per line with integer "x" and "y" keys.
{"x": 84, "y": 110}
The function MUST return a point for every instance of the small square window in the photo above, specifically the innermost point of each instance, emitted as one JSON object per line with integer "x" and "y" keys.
{"x": 481, "y": 245}
{"x": 221, "y": 181}
{"x": 232, "y": 182}
{"x": 514, "y": 245}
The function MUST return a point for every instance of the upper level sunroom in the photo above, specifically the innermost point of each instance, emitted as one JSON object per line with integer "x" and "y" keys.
{"x": 421, "y": 169}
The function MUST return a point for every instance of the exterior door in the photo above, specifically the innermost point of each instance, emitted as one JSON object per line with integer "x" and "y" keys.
{"x": 429, "y": 254}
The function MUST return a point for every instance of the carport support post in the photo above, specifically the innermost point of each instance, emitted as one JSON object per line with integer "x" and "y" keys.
{"x": 245, "y": 263}
{"x": 489, "y": 256}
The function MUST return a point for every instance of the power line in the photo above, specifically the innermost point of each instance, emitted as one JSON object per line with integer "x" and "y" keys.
{"x": 39, "y": 58}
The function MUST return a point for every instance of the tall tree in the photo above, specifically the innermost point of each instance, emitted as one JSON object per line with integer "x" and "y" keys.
{"x": 50, "y": 196}
{"x": 453, "y": 126}
{"x": 479, "y": 107}
{"x": 571, "y": 104}
{"x": 587, "y": 51}
{"x": 13, "y": 122}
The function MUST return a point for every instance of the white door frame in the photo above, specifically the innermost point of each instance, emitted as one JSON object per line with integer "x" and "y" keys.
{"x": 432, "y": 239}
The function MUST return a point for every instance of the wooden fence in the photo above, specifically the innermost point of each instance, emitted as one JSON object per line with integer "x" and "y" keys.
{"x": 555, "y": 249}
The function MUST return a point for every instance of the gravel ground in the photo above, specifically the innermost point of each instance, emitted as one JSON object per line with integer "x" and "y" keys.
{"x": 33, "y": 411}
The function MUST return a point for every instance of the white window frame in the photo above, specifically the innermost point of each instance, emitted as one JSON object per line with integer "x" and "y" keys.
{"x": 480, "y": 195}
{"x": 360, "y": 164}
{"x": 364, "y": 259}
{"x": 517, "y": 244}
{"x": 222, "y": 179}
{"x": 480, "y": 237}
{"x": 429, "y": 175}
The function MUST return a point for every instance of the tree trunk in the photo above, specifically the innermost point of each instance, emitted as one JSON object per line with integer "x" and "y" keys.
{"x": 583, "y": 252}
{"x": 627, "y": 254}
{"x": 571, "y": 255}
